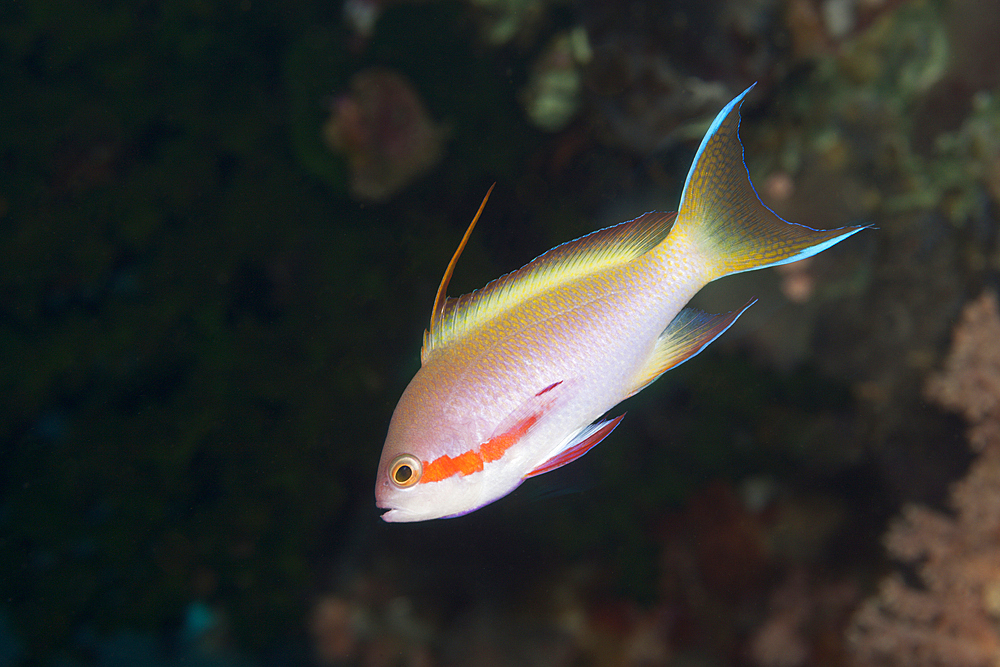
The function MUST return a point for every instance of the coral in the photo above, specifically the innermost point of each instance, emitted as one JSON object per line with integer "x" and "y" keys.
{"x": 333, "y": 629}
{"x": 642, "y": 100}
{"x": 385, "y": 132}
{"x": 805, "y": 623}
{"x": 362, "y": 629}
{"x": 552, "y": 97}
{"x": 970, "y": 382}
{"x": 655, "y": 76}
{"x": 953, "y": 616}
{"x": 503, "y": 21}
{"x": 818, "y": 27}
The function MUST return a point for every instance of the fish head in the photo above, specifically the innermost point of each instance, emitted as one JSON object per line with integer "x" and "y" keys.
{"x": 400, "y": 491}
{"x": 430, "y": 467}
{"x": 451, "y": 452}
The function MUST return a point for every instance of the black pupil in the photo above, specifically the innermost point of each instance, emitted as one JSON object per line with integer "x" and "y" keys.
{"x": 403, "y": 473}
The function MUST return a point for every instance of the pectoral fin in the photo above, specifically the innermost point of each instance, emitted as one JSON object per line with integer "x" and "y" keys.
{"x": 687, "y": 334}
{"x": 579, "y": 445}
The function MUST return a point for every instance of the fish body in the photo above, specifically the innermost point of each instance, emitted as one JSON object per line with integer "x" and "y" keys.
{"x": 515, "y": 377}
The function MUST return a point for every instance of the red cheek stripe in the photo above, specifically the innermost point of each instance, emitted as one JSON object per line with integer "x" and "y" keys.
{"x": 471, "y": 461}
{"x": 497, "y": 446}
{"x": 445, "y": 466}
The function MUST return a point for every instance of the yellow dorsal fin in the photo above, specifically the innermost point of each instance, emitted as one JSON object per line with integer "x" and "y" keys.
{"x": 570, "y": 261}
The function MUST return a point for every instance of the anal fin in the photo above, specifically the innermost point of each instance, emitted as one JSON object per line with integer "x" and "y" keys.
{"x": 690, "y": 332}
{"x": 582, "y": 443}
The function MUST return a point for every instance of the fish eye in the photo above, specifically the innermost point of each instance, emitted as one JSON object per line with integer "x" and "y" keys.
{"x": 405, "y": 471}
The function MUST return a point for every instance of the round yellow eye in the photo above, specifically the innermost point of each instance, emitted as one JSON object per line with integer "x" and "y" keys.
{"x": 405, "y": 470}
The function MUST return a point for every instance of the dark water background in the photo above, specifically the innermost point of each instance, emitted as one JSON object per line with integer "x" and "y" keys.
{"x": 205, "y": 328}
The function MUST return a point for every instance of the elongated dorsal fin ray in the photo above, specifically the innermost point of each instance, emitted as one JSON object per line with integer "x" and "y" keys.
{"x": 721, "y": 210}
{"x": 567, "y": 262}
{"x": 442, "y": 294}
{"x": 690, "y": 332}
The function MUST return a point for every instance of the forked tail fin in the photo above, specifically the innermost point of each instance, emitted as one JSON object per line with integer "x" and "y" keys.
{"x": 722, "y": 214}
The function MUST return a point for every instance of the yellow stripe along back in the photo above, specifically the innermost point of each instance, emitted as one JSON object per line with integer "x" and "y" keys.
{"x": 605, "y": 248}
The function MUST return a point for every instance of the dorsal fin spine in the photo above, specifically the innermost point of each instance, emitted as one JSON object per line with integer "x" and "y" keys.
{"x": 442, "y": 294}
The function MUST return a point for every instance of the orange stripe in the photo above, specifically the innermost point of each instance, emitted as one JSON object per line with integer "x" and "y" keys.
{"x": 471, "y": 461}
{"x": 496, "y": 447}
{"x": 445, "y": 466}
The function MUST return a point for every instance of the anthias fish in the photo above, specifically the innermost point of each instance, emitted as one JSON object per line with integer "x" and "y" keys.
{"x": 516, "y": 377}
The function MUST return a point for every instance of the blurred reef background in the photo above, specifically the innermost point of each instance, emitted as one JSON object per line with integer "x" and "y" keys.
{"x": 223, "y": 224}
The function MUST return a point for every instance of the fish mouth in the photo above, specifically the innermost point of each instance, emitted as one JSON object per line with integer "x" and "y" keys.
{"x": 392, "y": 514}
{"x": 395, "y": 515}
